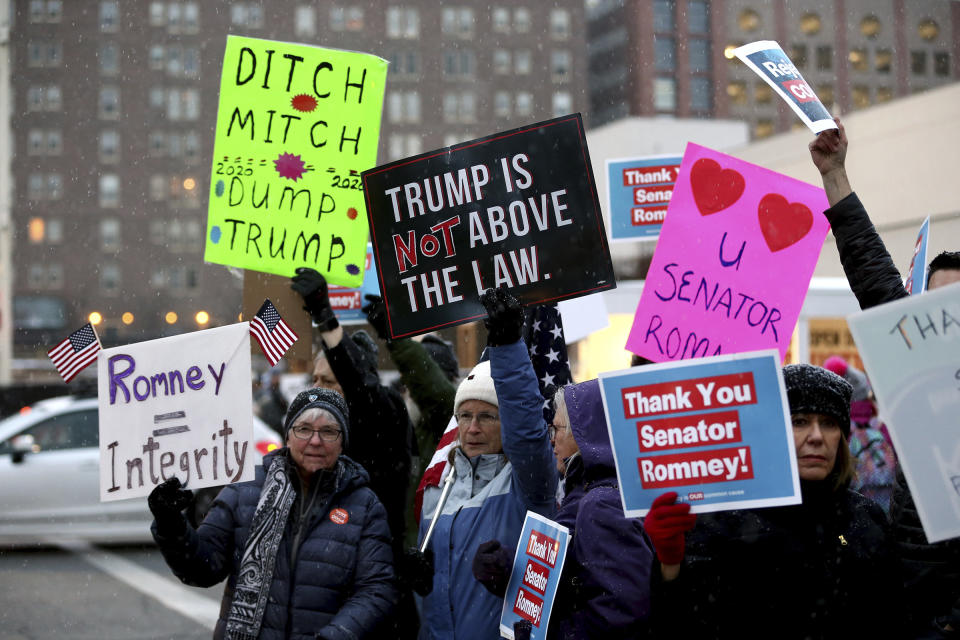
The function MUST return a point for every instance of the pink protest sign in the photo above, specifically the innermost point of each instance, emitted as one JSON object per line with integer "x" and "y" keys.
{"x": 733, "y": 263}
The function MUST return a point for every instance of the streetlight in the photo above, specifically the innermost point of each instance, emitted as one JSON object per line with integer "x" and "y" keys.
{"x": 202, "y": 317}
{"x": 95, "y": 317}
{"x": 171, "y": 317}
{"x": 127, "y": 317}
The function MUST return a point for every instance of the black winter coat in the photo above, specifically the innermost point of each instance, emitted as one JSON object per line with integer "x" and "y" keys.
{"x": 824, "y": 569}
{"x": 931, "y": 571}
{"x": 336, "y": 583}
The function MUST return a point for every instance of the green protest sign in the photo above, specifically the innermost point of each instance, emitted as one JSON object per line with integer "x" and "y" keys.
{"x": 295, "y": 127}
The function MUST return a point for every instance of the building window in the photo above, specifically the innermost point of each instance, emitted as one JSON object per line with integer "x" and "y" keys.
{"x": 404, "y": 145}
{"x": 109, "y": 16}
{"x": 457, "y": 22}
{"x": 701, "y": 94}
{"x": 109, "y": 278}
{"x": 403, "y": 22}
{"x": 699, "y": 52}
{"x": 109, "y": 103}
{"x": 36, "y": 186}
{"x": 664, "y": 49}
{"x": 502, "y": 61}
{"x": 861, "y": 96}
{"x": 191, "y": 147}
{"x": 158, "y": 188}
{"x": 158, "y": 97}
{"x": 762, "y": 93}
{"x": 49, "y": 11}
{"x": 501, "y": 104}
{"x": 38, "y": 11}
{"x": 941, "y": 63}
{"x": 918, "y": 62}
{"x": 54, "y": 186}
{"x": 799, "y": 55}
{"x": 562, "y": 104}
{"x": 928, "y": 29}
{"x": 403, "y": 106}
{"x": 870, "y": 26}
{"x": 500, "y": 19}
{"x": 460, "y": 107}
{"x": 524, "y": 104}
{"x": 560, "y": 65}
{"x": 763, "y": 128}
{"x": 191, "y": 62}
{"x": 35, "y": 142}
{"x": 858, "y": 59}
{"x": 109, "y": 234}
{"x": 698, "y": 17}
{"x": 737, "y": 92}
{"x": 250, "y": 15}
{"x": 157, "y": 143}
{"x": 748, "y": 20}
{"x": 825, "y": 58}
{"x": 664, "y": 94}
{"x": 522, "y": 22}
{"x": 191, "y": 18}
{"x": 523, "y": 62}
{"x": 157, "y": 58}
{"x": 560, "y": 24}
{"x": 458, "y": 64}
{"x": 173, "y": 18}
{"x": 404, "y": 64}
{"x": 810, "y": 24}
{"x": 158, "y": 14}
{"x": 109, "y": 59}
{"x": 44, "y": 53}
{"x": 825, "y": 93}
{"x": 884, "y": 94}
{"x": 109, "y": 190}
{"x": 54, "y": 231}
{"x": 109, "y": 144}
{"x": 882, "y": 60}
{"x": 663, "y": 16}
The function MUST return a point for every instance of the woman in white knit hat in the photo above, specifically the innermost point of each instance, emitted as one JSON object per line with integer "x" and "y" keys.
{"x": 503, "y": 466}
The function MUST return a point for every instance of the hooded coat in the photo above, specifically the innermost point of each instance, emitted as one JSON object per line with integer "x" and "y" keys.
{"x": 333, "y": 576}
{"x": 931, "y": 570}
{"x": 605, "y": 589}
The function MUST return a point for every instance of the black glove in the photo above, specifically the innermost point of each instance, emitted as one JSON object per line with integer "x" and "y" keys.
{"x": 416, "y": 570}
{"x": 522, "y": 629}
{"x": 376, "y": 312}
{"x": 313, "y": 287}
{"x": 504, "y": 319}
{"x": 492, "y": 565}
{"x": 167, "y": 502}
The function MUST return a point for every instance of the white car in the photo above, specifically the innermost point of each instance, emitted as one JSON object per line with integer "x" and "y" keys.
{"x": 50, "y": 478}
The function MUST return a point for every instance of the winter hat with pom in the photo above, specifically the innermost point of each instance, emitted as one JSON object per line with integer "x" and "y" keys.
{"x": 478, "y": 385}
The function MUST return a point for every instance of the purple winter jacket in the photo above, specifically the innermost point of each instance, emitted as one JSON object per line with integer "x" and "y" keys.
{"x": 605, "y": 590}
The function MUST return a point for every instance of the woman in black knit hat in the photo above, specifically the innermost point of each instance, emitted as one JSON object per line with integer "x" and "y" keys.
{"x": 305, "y": 546}
{"x": 823, "y": 569}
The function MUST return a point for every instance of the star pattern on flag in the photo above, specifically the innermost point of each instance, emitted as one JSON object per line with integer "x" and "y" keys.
{"x": 548, "y": 352}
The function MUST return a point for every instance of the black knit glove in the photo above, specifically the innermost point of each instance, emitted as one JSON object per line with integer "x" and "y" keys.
{"x": 376, "y": 311}
{"x": 492, "y": 564}
{"x": 416, "y": 570}
{"x": 313, "y": 287}
{"x": 167, "y": 502}
{"x": 504, "y": 319}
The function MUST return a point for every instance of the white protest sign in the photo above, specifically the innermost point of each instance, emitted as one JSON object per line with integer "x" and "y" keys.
{"x": 179, "y": 406}
{"x": 911, "y": 352}
{"x": 769, "y": 62}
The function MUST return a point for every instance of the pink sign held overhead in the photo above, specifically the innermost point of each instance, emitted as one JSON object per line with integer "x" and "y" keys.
{"x": 733, "y": 262}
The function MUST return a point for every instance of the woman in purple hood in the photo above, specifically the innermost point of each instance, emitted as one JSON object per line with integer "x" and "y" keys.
{"x": 604, "y": 591}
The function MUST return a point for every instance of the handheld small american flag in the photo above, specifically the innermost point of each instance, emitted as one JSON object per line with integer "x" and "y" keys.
{"x": 543, "y": 333}
{"x": 273, "y": 334}
{"x": 78, "y": 350}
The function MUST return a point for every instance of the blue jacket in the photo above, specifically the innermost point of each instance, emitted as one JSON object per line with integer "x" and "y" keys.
{"x": 605, "y": 589}
{"x": 488, "y": 501}
{"x": 341, "y": 584}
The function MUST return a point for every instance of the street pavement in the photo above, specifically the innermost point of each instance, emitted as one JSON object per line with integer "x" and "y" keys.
{"x": 79, "y": 592}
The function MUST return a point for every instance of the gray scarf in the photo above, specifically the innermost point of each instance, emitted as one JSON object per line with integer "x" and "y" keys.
{"x": 260, "y": 553}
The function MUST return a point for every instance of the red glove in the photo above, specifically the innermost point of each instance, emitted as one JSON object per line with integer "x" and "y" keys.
{"x": 666, "y": 523}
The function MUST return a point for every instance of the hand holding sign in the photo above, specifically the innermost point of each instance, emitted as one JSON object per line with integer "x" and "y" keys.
{"x": 666, "y": 524}
{"x": 504, "y": 321}
{"x": 167, "y": 502}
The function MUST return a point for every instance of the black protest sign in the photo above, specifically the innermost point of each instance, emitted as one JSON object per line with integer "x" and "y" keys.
{"x": 517, "y": 208}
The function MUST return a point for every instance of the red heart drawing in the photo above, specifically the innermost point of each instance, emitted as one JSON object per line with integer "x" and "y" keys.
{"x": 783, "y": 223}
{"x": 714, "y": 188}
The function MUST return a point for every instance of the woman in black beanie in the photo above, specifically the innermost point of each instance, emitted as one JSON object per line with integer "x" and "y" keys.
{"x": 823, "y": 569}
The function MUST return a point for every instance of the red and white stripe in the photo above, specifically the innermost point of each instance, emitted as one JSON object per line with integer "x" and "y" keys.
{"x": 273, "y": 343}
{"x": 69, "y": 362}
{"x": 438, "y": 464}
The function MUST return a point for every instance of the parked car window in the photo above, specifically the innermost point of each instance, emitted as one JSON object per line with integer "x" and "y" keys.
{"x": 65, "y": 431}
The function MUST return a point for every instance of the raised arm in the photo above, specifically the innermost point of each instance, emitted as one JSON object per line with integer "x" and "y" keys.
{"x": 870, "y": 271}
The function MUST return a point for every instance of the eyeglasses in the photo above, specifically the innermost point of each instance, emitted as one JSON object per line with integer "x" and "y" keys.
{"x": 554, "y": 428}
{"x": 327, "y": 435}
{"x": 465, "y": 418}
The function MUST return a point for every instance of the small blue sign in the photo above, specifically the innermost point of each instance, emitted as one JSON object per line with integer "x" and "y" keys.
{"x": 537, "y": 566}
{"x": 715, "y": 430}
{"x": 638, "y": 195}
{"x": 917, "y": 280}
{"x": 347, "y": 302}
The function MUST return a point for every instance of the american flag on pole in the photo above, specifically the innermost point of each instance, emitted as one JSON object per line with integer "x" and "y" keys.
{"x": 543, "y": 333}
{"x": 273, "y": 334}
{"x": 77, "y": 350}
